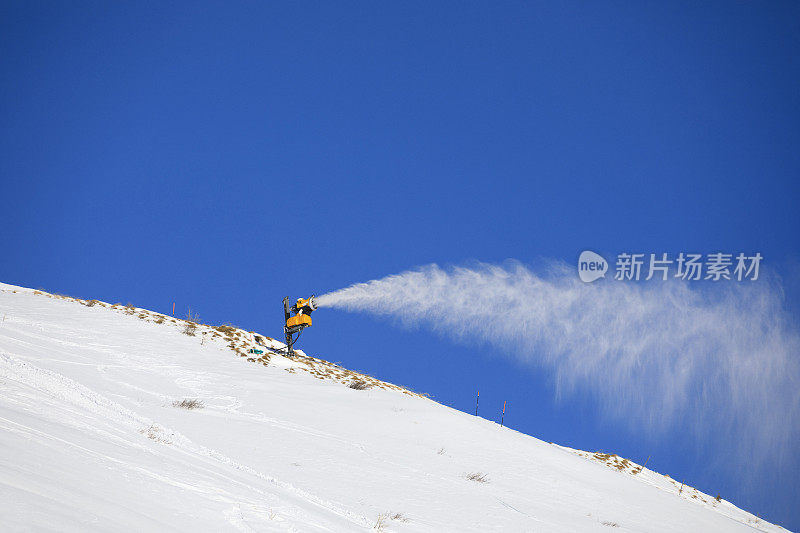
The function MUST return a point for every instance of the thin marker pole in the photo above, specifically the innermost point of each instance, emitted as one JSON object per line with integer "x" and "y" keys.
{"x": 641, "y": 467}
{"x": 173, "y": 308}
{"x": 504, "y": 414}
{"x": 476, "y": 403}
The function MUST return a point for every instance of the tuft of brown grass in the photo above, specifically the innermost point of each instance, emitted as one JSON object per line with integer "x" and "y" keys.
{"x": 155, "y": 433}
{"x": 187, "y": 403}
{"x": 380, "y": 524}
{"x": 360, "y": 385}
{"x": 190, "y": 327}
{"x": 227, "y": 329}
{"x": 384, "y": 518}
{"x": 90, "y": 303}
{"x": 479, "y": 477}
{"x": 130, "y": 309}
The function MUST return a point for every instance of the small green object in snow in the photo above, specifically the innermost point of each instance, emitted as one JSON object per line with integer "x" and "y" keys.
{"x": 253, "y": 350}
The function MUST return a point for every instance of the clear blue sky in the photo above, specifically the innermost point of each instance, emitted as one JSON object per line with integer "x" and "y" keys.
{"x": 223, "y": 155}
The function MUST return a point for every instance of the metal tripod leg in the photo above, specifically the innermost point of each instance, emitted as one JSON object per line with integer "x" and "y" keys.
{"x": 289, "y": 342}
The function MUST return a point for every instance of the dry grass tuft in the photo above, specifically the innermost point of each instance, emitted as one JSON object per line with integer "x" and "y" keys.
{"x": 190, "y": 327}
{"x": 227, "y": 329}
{"x": 610, "y": 524}
{"x": 380, "y": 524}
{"x": 90, "y": 303}
{"x": 360, "y": 385}
{"x": 130, "y": 309}
{"x": 480, "y": 477}
{"x": 154, "y": 432}
{"x": 384, "y": 518}
{"x": 615, "y": 461}
{"x": 189, "y": 404}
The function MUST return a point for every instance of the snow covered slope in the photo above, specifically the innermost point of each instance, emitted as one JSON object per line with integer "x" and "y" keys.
{"x": 93, "y": 437}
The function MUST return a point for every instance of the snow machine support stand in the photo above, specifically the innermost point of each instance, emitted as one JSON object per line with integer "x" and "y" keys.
{"x": 297, "y": 317}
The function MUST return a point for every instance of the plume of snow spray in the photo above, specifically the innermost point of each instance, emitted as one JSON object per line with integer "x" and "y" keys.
{"x": 722, "y": 358}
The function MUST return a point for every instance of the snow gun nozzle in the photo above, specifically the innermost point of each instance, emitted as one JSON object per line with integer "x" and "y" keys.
{"x": 312, "y": 303}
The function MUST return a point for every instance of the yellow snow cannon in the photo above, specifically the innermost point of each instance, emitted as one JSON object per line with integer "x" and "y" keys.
{"x": 297, "y": 318}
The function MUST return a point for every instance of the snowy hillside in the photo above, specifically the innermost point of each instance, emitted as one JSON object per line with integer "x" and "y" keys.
{"x": 116, "y": 419}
